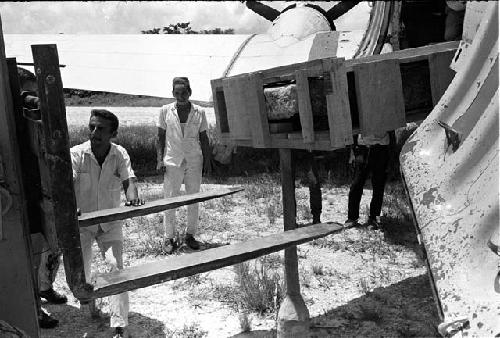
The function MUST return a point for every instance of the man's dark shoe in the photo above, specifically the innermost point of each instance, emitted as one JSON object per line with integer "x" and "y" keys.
{"x": 120, "y": 332}
{"x": 53, "y": 297}
{"x": 351, "y": 223}
{"x": 316, "y": 219}
{"x": 191, "y": 242}
{"x": 46, "y": 321}
{"x": 171, "y": 246}
{"x": 372, "y": 223}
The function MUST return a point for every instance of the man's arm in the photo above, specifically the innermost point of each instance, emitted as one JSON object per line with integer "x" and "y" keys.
{"x": 160, "y": 148}
{"x": 340, "y": 9}
{"x": 265, "y": 11}
{"x": 207, "y": 155}
{"x": 131, "y": 192}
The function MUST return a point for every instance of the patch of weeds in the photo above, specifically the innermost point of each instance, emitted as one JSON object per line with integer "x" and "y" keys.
{"x": 318, "y": 270}
{"x": 258, "y": 288}
{"x": 192, "y": 330}
{"x": 304, "y": 278}
{"x": 245, "y": 322}
{"x": 369, "y": 313}
{"x": 364, "y": 284}
{"x": 273, "y": 209}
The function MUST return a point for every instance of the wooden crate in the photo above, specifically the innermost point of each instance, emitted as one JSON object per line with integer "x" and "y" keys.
{"x": 369, "y": 95}
{"x": 242, "y": 117}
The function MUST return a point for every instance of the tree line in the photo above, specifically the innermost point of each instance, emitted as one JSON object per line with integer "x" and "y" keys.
{"x": 184, "y": 28}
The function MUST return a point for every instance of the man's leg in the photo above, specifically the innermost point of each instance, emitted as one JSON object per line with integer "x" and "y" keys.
{"x": 45, "y": 320}
{"x": 171, "y": 187}
{"x": 87, "y": 236}
{"x": 356, "y": 189}
{"x": 313, "y": 180}
{"x": 49, "y": 265}
{"x": 192, "y": 182}
{"x": 111, "y": 247}
{"x": 378, "y": 161}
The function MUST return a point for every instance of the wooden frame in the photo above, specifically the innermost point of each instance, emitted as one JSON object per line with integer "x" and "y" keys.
{"x": 45, "y": 139}
{"x": 392, "y": 110}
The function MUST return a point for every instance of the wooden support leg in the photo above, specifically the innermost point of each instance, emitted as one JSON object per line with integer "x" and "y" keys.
{"x": 293, "y": 316}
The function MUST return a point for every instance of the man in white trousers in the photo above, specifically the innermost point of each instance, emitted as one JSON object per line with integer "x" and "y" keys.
{"x": 182, "y": 147}
{"x": 100, "y": 170}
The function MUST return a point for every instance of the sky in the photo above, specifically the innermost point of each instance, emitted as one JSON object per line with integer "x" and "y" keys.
{"x": 131, "y": 17}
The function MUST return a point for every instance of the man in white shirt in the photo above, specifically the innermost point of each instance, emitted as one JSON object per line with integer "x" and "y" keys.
{"x": 371, "y": 156}
{"x": 100, "y": 169}
{"x": 183, "y": 150}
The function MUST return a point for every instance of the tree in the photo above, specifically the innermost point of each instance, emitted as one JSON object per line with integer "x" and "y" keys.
{"x": 184, "y": 28}
{"x": 151, "y": 31}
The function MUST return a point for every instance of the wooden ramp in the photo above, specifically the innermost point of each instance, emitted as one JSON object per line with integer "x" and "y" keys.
{"x": 203, "y": 261}
{"x": 121, "y": 213}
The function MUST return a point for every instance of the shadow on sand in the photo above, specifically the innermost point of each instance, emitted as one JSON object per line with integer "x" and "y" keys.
{"x": 404, "y": 309}
{"x": 74, "y": 322}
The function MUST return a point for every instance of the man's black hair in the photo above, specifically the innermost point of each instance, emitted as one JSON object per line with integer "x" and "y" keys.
{"x": 25, "y": 76}
{"x": 106, "y": 114}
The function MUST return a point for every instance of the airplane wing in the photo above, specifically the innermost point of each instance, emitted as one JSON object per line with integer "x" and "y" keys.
{"x": 142, "y": 64}
{"x": 450, "y": 165}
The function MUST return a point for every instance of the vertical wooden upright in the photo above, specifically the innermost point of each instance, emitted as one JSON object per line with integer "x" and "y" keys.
{"x": 18, "y": 304}
{"x": 293, "y": 316}
{"x": 440, "y": 73}
{"x": 56, "y": 169}
{"x": 379, "y": 91}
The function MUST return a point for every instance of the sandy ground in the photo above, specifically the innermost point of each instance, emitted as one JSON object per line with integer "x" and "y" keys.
{"x": 357, "y": 283}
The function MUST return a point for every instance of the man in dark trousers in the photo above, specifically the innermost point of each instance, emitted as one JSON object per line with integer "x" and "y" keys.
{"x": 332, "y": 14}
{"x": 371, "y": 156}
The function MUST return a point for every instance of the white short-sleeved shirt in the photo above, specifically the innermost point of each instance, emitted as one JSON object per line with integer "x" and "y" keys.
{"x": 97, "y": 187}
{"x": 182, "y": 144}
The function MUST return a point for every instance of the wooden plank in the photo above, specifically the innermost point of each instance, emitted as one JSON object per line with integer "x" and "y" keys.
{"x": 440, "y": 73}
{"x": 219, "y": 107}
{"x": 405, "y": 55}
{"x": 198, "y": 262}
{"x": 289, "y": 70}
{"x": 379, "y": 92}
{"x": 55, "y": 165}
{"x": 337, "y": 101}
{"x": 28, "y": 138}
{"x": 256, "y": 109}
{"x": 324, "y": 45}
{"x": 234, "y": 94}
{"x": 18, "y": 301}
{"x": 293, "y": 310}
{"x": 121, "y": 213}
{"x": 305, "y": 109}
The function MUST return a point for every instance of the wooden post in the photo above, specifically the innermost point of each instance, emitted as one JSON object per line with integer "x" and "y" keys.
{"x": 18, "y": 304}
{"x": 56, "y": 169}
{"x": 293, "y": 316}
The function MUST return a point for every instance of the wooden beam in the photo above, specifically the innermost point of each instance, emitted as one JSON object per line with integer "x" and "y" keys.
{"x": 379, "y": 92}
{"x": 18, "y": 300}
{"x": 198, "y": 262}
{"x": 293, "y": 315}
{"x": 337, "y": 102}
{"x": 235, "y": 97}
{"x": 405, "y": 55}
{"x": 120, "y": 213}
{"x": 440, "y": 73}
{"x": 305, "y": 108}
{"x": 256, "y": 106}
{"x": 55, "y": 166}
